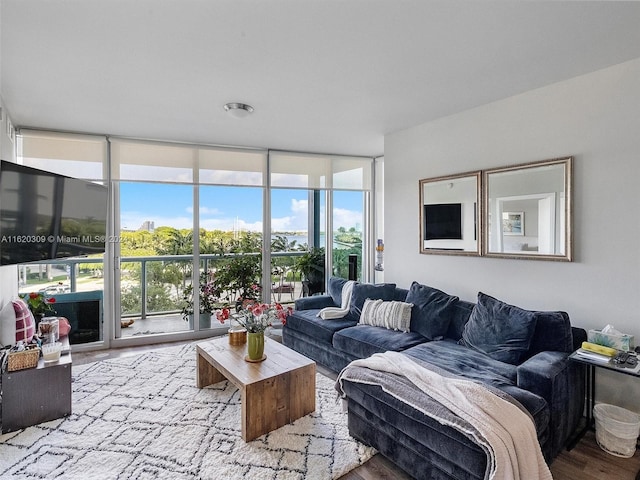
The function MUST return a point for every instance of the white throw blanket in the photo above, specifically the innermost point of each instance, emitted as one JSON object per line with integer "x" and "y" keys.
{"x": 501, "y": 427}
{"x": 332, "y": 313}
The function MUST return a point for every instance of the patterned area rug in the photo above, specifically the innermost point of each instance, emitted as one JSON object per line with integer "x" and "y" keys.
{"x": 142, "y": 417}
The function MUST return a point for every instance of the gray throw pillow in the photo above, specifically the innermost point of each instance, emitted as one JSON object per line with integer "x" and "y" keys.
{"x": 362, "y": 291}
{"x": 431, "y": 312}
{"x": 500, "y": 330}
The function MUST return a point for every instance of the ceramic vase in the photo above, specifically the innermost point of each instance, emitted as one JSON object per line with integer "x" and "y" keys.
{"x": 255, "y": 346}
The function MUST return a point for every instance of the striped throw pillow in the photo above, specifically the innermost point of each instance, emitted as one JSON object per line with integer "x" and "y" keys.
{"x": 392, "y": 315}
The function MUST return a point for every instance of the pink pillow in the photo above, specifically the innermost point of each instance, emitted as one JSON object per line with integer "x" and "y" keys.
{"x": 64, "y": 327}
{"x": 25, "y": 323}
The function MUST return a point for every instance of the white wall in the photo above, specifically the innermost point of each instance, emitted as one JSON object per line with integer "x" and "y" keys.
{"x": 594, "y": 118}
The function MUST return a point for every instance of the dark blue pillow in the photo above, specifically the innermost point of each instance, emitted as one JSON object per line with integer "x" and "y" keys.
{"x": 500, "y": 330}
{"x": 335, "y": 289}
{"x": 362, "y": 291}
{"x": 553, "y": 333}
{"x": 431, "y": 312}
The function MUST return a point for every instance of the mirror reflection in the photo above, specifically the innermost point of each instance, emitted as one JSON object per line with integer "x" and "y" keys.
{"x": 527, "y": 212}
{"x": 449, "y": 214}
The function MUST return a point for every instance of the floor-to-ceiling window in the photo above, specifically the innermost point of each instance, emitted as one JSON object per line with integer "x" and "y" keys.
{"x": 256, "y": 213}
{"x": 230, "y": 218}
{"x": 166, "y": 192}
{"x": 336, "y": 184}
{"x": 348, "y": 233}
{"x": 76, "y": 286}
{"x": 153, "y": 185}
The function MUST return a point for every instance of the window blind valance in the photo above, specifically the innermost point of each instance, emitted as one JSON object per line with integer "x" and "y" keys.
{"x": 177, "y": 163}
{"x": 74, "y": 155}
{"x": 315, "y": 171}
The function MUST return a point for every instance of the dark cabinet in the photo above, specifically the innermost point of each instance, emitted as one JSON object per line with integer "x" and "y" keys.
{"x": 36, "y": 395}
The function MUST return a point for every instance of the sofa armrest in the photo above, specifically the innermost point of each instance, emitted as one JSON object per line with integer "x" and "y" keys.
{"x": 539, "y": 373}
{"x": 314, "y": 302}
{"x": 560, "y": 382}
{"x": 579, "y": 335}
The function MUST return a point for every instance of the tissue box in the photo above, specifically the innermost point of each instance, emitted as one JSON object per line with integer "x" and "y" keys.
{"x": 619, "y": 342}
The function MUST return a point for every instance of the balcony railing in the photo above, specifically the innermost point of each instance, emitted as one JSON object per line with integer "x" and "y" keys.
{"x": 138, "y": 280}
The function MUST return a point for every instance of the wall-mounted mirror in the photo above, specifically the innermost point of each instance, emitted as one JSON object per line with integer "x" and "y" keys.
{"x": 527, "y": 211}
{"x": 450, "y": 214}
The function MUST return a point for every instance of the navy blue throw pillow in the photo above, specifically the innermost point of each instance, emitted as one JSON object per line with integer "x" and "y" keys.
{"x": 335, "y": 289}
{"x": 431, "y": 312}
{"x": 362, "y": 291}
{"x": 500, "y": 330}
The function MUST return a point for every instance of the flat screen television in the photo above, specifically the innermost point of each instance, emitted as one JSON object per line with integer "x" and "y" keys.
{"x": 443, "y": 221}
{"x": 44, "y": 216}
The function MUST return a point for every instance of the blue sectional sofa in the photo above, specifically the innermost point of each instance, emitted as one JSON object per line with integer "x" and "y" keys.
{"x": 523, "y": 353}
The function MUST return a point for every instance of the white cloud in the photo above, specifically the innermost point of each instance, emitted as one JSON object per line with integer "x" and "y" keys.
{"x": 230, "y": 224}
{"x": 346, "y": 218}
{"x": 205, "y": 210}
{"x": 297, "y": 220}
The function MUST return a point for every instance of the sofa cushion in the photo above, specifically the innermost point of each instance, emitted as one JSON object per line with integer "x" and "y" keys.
{"x": 314, "y": 302}
{"x": 400, "y": 294}
{"x": 553, "y": 333}
{"x": 362, "y": 291}
{"x": 335, "y": 285}
{"x": 392, "y": 315}
{"x": 308, "y": 323}
{"x": 502, "y": 331}
{"x": 431, "y": 312}
{"x": 461, "y": 360}
{"x": 362, "y": 341}
{"x": 474, "y": 365}
{"x": 460, "y": 313}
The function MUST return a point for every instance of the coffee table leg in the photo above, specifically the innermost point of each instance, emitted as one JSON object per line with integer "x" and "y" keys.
{"x": 275, "y": 402}
{"x": 302, "y": 392}
{"x": 206, "y": 374}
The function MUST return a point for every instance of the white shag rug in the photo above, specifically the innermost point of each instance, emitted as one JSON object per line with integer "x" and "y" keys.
{"x": 142, "y": 417}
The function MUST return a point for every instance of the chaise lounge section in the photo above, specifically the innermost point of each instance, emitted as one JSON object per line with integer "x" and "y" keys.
{"x": 521, "y": 353}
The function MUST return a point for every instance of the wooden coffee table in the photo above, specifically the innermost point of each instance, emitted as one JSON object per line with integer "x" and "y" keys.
{"x": 274, "y": 392}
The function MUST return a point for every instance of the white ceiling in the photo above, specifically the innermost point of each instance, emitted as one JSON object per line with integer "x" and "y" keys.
{"x": 323, "y": 76}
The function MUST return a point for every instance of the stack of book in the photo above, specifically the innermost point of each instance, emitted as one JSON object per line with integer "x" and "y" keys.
{"x": 593, "y": 356}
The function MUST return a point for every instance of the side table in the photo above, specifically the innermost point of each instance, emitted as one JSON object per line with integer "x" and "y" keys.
{"x": 590, "y": 388}
{"x": 36, "y": 395}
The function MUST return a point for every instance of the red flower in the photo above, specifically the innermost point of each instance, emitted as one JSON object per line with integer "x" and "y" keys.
{"x": 222, "y": 315}
{"x": 50, "y": 300}
{"x": 33, "y": 295}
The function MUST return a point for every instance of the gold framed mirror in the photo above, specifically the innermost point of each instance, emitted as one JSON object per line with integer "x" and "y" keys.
{"x": 450, "y": 209}
{"x": 527, "y": 211}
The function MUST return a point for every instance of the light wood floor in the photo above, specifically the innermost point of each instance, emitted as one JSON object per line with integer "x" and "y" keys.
{"x": 585, "y": 462}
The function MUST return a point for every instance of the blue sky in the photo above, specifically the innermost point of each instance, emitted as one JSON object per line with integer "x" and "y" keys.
{"x": 223, "y": 207}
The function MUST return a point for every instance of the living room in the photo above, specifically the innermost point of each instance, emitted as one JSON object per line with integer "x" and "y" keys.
{"x": 582, "y": 103}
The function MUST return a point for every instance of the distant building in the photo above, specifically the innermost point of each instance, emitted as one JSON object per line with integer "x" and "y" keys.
{"x": 147, "y": 226}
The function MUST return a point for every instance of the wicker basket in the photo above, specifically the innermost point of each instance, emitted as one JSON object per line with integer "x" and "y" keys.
{"x": 25, "y": 359}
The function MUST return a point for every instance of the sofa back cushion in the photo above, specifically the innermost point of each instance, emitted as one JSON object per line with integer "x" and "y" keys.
{"x": 400, "y": 294}
{"x": 431, "y": 312}
{"x": 553, "y": 333}
{"x": 460, "y": 314}
{"x": 335, "y": 285}
{"x": 362, "y": 291}
{"x": 502, "y": 331}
